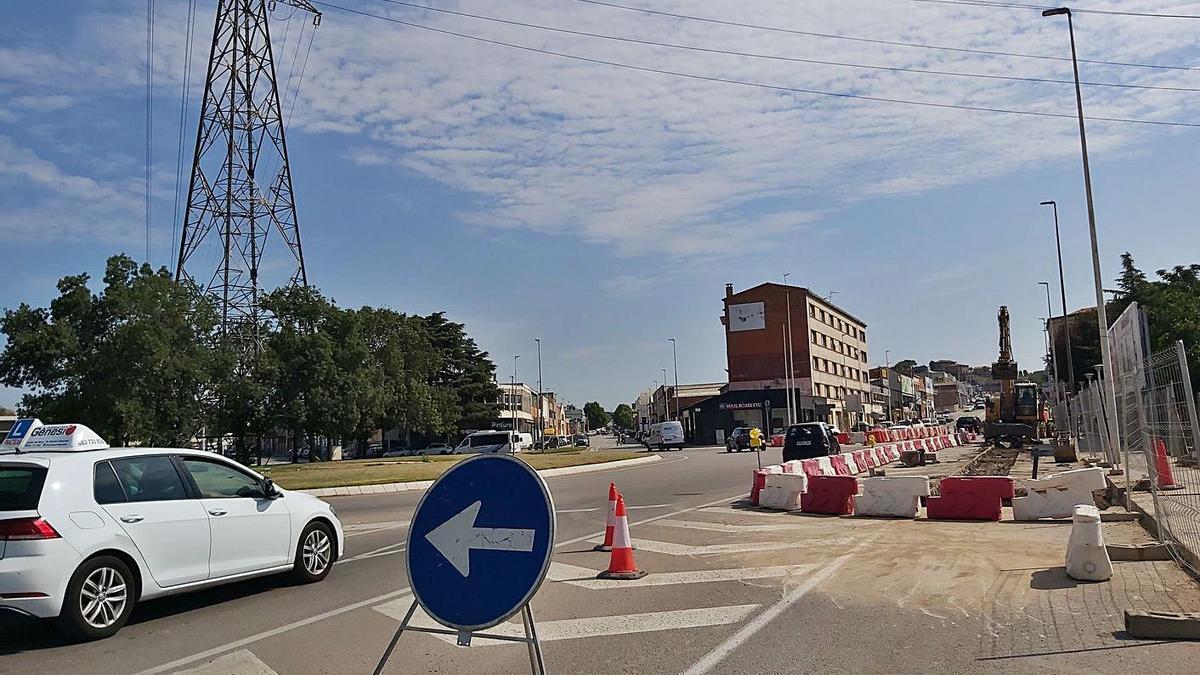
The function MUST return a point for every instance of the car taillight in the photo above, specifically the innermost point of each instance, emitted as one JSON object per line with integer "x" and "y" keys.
{"x": 22, "y": 529}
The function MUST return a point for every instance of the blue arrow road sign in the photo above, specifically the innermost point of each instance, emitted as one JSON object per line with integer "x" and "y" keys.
{"x": 480, "y": 542}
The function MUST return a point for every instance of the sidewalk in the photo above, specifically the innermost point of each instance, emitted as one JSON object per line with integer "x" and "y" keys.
{"x": 424, "y": 484}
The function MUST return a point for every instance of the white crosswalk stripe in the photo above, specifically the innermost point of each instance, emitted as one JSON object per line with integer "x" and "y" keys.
{"x": 242, "y": 662}
{"x": 588, "y": 627}
{"x": 584, "y": 577}
{"x": 732, "y": 529}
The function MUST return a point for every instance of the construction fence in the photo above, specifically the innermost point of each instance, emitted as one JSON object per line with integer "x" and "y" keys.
{"x": 1153, "y": 436}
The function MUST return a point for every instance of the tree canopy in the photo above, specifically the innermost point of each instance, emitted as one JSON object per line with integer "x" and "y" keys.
{"x": 143, "y": 361}
{"x": 596, "y": 417}
{"x": 623, "y": 416}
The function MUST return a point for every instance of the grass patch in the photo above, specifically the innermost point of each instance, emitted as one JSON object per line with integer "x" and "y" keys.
{"x": 405, "y": 469}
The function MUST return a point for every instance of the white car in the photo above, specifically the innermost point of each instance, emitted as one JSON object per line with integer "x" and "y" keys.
{"x": 87, "y": 531}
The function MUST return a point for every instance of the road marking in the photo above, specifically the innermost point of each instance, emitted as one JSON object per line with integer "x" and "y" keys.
{"x": 585, "y": 577}
{"x": 718, "y": 654}
{"x": 671, "y": 548}
{"x": 646, "y": 521}
{"x": 730, "y": 511}
{"x": 597, "y": 508}
{"x": 238, "y": 644}
{"x": 733, "y": 529}
{"x": 368, "y": 528}
{"x": 588, "y": 627}
{"x": 242, "y": 662}
{"x": 390, "y": 549}
{"x": 648, "y": 506}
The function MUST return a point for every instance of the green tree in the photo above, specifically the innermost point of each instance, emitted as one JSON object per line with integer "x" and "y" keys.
{"x": 622, "y": 416}
{"x": 465, "y": 372}
{"x": 1171, "y": 303}
{"x": 131, "y": 361}
{"x": 596, "y": 417}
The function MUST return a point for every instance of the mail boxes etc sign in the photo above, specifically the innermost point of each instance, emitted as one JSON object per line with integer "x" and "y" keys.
{"x": 741, "y": 405}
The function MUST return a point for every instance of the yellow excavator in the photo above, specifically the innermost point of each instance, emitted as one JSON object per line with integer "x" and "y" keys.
{"x": 1012, "y": 417}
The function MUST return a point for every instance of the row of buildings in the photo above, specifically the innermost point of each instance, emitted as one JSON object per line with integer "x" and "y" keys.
{"x": 519, "y": 410}
{"x": 794, "y": 356}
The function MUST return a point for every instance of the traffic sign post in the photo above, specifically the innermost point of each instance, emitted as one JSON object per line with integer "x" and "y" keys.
{"x": 478, "y": 549}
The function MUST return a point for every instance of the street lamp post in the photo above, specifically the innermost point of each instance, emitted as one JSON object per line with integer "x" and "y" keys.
{"x": 675, "y": 361}
{"x": 512, "y": 392}
{"x": 1062, "y": 289}
{"x": 1101, "y": 315}
{"x": 887, "y": 368}
{"x": 667, "y": 400}
{"x": 1049, "y": 340}
{"x": 789, "y": 357}
{"x": 541, "y": 424}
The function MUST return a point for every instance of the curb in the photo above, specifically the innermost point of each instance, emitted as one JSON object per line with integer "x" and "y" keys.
{"x": 382, "y": 488}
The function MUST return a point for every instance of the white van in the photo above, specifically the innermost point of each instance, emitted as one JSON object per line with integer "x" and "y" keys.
{"x": 522, "y": 441}
{"x": 665, "y": 435}
{"x": 487, "y": 441}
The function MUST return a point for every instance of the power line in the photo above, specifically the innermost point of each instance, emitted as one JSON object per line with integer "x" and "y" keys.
{"x": 149, "y": 111}
{"x": 760, "y": 85}
{"x": 1019, "y": 5}
{"x": 775, "y": 57}
{"x": 890, "y": 43}
{"x": 300, "y": 80}
{"x": 183, "y": 105}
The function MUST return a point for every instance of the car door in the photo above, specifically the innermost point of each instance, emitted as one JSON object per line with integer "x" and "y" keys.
{"x": 249, "y": 531}
{"x": 153, "y": 506}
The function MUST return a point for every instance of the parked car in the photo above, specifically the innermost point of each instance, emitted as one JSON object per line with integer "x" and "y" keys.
{"x": 582, "y": 441}
{"x": 665, "y": 435}
{"x": 861, "y": 426}
{"x": 738, "y": 439}
{"x": 808, "y": 440}
{"x": 87, "y": 531}
{"x": 438, "y": 449}
{"x": 969, "y": 423}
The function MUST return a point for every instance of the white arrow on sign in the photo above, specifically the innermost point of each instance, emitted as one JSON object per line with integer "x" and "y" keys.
{"x": 455, "y": 538}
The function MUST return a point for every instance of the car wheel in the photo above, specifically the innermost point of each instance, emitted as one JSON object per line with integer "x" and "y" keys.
{"x": 314, "y": 553}
{"x": 99, "y": 599}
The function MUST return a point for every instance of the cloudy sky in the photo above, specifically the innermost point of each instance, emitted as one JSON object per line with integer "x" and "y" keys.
{"x": 546, "y": 172}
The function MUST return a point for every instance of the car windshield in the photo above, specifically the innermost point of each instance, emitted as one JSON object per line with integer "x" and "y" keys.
{"x": 806, "y": 432}
{"x": 21, "y": 487}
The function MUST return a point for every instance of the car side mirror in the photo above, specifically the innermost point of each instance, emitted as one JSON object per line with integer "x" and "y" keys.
{"x": 268, "y": 488}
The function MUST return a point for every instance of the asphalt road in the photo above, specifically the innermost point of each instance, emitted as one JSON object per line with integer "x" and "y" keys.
{"x": 729, "y": 590}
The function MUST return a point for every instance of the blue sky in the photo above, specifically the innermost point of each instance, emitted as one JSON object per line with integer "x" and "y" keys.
{"x": 603, "y": 209}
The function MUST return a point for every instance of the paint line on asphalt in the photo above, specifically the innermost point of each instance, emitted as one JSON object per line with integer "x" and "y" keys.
{"x": 589, "y": 627}
{"x": 732, "y": 529}
{"x": 647, "y": 506}
{"x": 390, "y": 549}
{"x": 646, "y": 521}
{"x": 242, "y": 662}
{"x": 597, "y": 508}
{"x": 733, "y": 642}
{"x": 585, "y": 577}
{"x": 370, "y": 528}
{"x": 671, "y": 548}
{"x": 238, "y": 644}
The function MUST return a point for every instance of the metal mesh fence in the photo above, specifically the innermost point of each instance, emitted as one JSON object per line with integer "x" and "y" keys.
{"x": 1162, "y": 447}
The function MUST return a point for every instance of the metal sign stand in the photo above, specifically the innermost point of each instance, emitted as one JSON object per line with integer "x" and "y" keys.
{"x": 537, "y": 665}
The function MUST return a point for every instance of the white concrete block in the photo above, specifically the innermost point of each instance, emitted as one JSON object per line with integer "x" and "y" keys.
{"x": 782, "y": 491}
{"x": 1087, "y": 558}
{"x": 1056, "y": 496}
{"x": 826, "y": 466}
{"x": 852, "y": 464}
{"x": 891, "y": 496}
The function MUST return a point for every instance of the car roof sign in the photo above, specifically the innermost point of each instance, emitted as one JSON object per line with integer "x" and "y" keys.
{"x": 18, "y": 433}
{"x": 62, "y": 438}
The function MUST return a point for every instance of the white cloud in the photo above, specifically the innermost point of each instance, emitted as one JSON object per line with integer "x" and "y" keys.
{"x": 648, "y": 163}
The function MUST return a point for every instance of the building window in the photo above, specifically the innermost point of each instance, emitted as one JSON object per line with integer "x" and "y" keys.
{"x": 812, "y": 311}
{"x": 814, "y": 336}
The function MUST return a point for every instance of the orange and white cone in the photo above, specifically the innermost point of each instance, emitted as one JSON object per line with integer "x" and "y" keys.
{"x": 621, "y": 564}
{"x": 1164, "y": 477}
{"x": 610, "y": 521}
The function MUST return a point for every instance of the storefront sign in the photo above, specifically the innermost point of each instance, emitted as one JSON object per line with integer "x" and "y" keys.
{"x": 740, "y": 405}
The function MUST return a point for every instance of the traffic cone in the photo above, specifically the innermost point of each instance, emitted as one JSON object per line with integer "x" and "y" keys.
{"x": 1164, "y": 477}
{"x": 621, "y": 564}
{"x": 610, "y": 520}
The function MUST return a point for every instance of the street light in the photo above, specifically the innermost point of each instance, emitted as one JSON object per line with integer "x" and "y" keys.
{"x": 1101, "y": 315}
{"x": 675, "y": 360}
{"x": 512, "y": 392}
{"x": 1050, "y": 341}
{"x": 789, "y": 356}
{"x": 666, "y": 401}
{"x": 887, "y": 367}
{"x": 1062, "y": 289}
{"x": 541, "y": 424}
